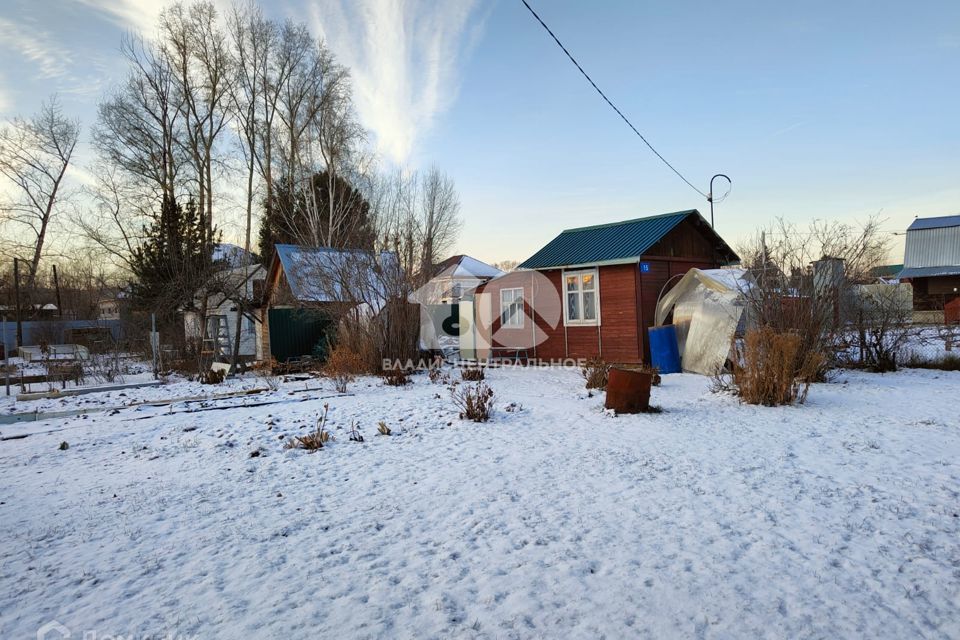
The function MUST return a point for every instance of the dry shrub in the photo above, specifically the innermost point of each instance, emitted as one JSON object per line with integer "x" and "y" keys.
{"x": 595, "y": 371}
{"x": 343, "y": 366}
{"x": 212, "y": 376}
{"x": 438, "y": 376}
{"x": 264, "y": 370}
{"x": 472, "y": 374}
{"x": 771, "y": 368}
{"x": 383, "y": 429}
{"x": 474, "y": 402}
{"x": 396, "y": 377}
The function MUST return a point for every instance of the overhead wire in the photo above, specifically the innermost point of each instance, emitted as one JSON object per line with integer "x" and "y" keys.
{"x": 608, "y": 101}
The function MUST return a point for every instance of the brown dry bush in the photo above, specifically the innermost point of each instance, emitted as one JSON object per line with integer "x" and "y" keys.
{"x": 772, "y": 369}
{"x": 474, "y": 402}
{"x": 343, "y": 366}
{"x": 472, "y": 374}
{"x": 595, "y": 371}
{"x": 395, "y": 377}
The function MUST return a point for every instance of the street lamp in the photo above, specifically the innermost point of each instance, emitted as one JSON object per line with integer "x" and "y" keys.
{"x": 710, "y": 194}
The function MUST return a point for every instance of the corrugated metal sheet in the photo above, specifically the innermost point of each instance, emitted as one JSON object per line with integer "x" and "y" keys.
{"x": 937, "y": 222}
{"x": 607, "y": 243}
{"x": 928, "y": 272}
{"x": 932, "y": 247}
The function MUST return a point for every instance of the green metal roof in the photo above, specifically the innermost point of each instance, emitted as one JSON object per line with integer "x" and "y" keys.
{"x": 614, "y": 242}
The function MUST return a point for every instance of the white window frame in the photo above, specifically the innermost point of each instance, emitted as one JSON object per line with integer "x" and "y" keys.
{"x": 579, "y": 274}
{"x": 516, "y": 321}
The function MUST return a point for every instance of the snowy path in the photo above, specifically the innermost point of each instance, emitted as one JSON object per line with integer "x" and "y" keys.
{"x": 712, "y": 519}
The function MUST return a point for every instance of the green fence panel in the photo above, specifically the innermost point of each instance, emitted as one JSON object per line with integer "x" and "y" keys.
{"x": 296, "y": 332}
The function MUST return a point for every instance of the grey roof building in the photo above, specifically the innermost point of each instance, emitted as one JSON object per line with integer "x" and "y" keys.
{"x": 931, "y": 261}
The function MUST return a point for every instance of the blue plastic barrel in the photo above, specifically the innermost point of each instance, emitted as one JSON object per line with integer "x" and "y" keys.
{"x": 664, "y": 354}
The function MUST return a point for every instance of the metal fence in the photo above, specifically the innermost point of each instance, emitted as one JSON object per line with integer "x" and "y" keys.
{"x": 930, "y": 344}
{"x": 52, "y": 331}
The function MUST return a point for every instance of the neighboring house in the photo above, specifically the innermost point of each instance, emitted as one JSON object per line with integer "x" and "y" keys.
{"x": 931, "y": 262}
{"x": 607, "y": 280}
{"x": 444, "y": 298}
{"x": 113, "y": 303}
{"x": 306, "y": 286}
{"x": 456, "y": 278}
{"x": 886, "y": 273}
{"x": 235, "y": 287}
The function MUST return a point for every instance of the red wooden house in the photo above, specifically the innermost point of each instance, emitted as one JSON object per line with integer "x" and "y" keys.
{"x": 597, "y": 287}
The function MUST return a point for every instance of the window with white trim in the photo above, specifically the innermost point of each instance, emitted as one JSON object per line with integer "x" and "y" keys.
{"x": 581, "y": 299}
{"x": 511, "y": 308}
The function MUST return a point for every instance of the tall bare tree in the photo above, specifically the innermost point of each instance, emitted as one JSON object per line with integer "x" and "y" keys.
{"x": 34, "y": 157}
{"x": 139, "y": 125}
{"x": 252, "y": 39}
{"x": 198, "y": 54}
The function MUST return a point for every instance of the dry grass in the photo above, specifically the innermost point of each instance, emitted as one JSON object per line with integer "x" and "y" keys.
{"x": 773, "y": 370}
{"x": 315, "y": 439}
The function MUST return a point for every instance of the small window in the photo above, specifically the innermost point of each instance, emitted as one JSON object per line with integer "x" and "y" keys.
{"x": 582, "y": 302}
{"x": 511, "y": 308}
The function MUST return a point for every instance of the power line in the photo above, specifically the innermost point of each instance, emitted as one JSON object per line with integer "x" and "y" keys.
{"x": 603, "y": 95}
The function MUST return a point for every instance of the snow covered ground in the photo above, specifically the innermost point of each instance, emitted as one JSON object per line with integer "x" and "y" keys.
{"x": 556, "y": 520}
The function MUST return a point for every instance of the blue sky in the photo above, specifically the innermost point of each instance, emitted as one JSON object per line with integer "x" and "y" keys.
{"x": 831, "y": 110}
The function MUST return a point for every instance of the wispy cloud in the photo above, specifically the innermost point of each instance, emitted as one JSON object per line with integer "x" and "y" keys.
{"x": 404, "y": 56}
{"x": 36, "y": 46}
{"x": 139, "y": 15}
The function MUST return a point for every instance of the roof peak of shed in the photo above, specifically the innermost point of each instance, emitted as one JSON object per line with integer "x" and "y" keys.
{"x": 603, "y": 225}
{"x": 935, "y": 222}
{"x": 619, "y": 242}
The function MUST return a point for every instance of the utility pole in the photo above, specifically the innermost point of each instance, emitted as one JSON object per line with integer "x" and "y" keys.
{"x": 56, "y": 286}
{"x": 710, "y": 193}
{"x": 6, "y": 355}
{"x": 16, "y": 290}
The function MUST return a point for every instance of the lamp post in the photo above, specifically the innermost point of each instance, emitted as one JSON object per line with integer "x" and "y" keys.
{"x": 710, "y": 193}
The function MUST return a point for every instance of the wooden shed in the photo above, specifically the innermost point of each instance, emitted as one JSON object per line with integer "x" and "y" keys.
{"x": 606, "y": 280}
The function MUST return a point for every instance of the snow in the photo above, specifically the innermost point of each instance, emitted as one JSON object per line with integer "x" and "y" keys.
{"x": 554, "y": 520}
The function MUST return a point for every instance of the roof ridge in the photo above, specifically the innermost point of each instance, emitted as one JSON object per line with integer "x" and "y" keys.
{"x": 645, "y": 218}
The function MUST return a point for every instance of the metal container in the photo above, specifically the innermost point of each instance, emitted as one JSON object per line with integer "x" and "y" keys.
{"x": 628, "y": 390}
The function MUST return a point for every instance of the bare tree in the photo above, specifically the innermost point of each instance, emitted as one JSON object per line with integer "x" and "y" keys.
{"x": 197, "y": 52}
{"x": 139, "y": 125}
{"x": 805, "y": 282}
{"x": 34, "y": 156}
{"x": 252, "y": 39}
